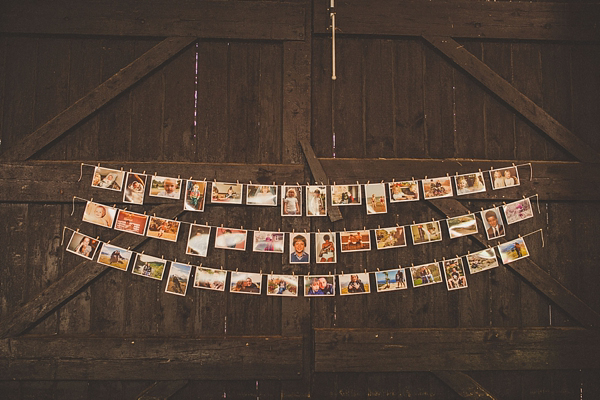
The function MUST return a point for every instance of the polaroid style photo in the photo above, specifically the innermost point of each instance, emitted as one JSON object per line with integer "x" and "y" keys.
{"x": 164, "y": 229}
{"x": 354, "y": 284}
{"x": 82, "y": 245}
{"x": 325, "y": 248}
{"x": 319, "y": 286}
{"x": 195, "y": 193}
{"x": 135, "y": 187}
{"x": 389, "y": 238}
{"x": 149, "y": 267}
{"x": 426, "y": 232}
{"x": 261, "y": 195}
{"x": 504, "y": 177}
{"x": 426, "y": 274}
{"x": 518, "y": 211}
{"x": 455, "y": 274}
{"x": 165, "y": 187}
{"x": 469, "y": 183}
{"x": 390, "y": 280}
{"x": 197, "y": 244}
{"x": 114, "y": 256}
{"x": 482, "y": 260}
{"x": 316, "y": 201}
{"x": 226, "y": 193}
{"x": 209, "y": 278}
{"x": 436, "y": 188}
{"x": 462, "y": 226}
{"x": 105, "y": 178}
{"x": 403, "y": 191}
{"x": 268, "y": 242}
{"x": 245, "y": 282}
{"x": 282, "y": 285}
{"x": 299, "y": 248}
{"x": 178, "y": 279}
{"x": 345, "y": 195}
{"x": 291, "y": 201}
{"x": 230, "y": 238}
{"x": 99, "y": 214}
{"x": 355, "y": 241}
{"x": 513, "y": 250}
{"x": 375, "y": 198}
{"x": 493, "y": 223}
{"x": 131, "y": 222}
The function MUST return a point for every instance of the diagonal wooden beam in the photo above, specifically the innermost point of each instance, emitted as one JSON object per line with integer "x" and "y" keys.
{"x": 464, "y": 385}
{"x": 514, "y": 98}
{"x": 28, "y": 315}
{"x": 161, "y": 390}
{"x": 94, "y": 100}
{"x": 532, "y": 273}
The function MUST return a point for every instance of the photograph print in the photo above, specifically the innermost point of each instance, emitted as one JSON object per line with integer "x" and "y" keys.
{"x": 426, "y": 232}
{"x": 195, "y": 193}
{"x": 388, "y": 238}
{"x": 469, "y": 183}
{"x": 354, "y": 284}
{"x": 230, "y": 238}
{"x": 316, "y": 201}
{"x": 437, "y": 187}
{"x": 164, "y": 229}
{"x": 291, "y": 201}
{"x": 105, "y": 178}
{"x": 325, "y": 247}
{"x": 462, "y": 225}
{"x": 197, "y": 244}
{"x": 261, "y": 195}
{"x": 114, "y": 256}
{"x": 299, "y": 248}
{"x": 504, "y": 177}
{"x": 392, "y": 279}
{"x": 282, "y": 285}
{"x": 82, "y": 245}
{"x": 518, "y": 211}
{"x": 209, "y": 278}
{"x": 403, "y": 191}
{"x": 355, "y": 241}
{"x": 345, "y": 195}
{"x": 426, "y": 274}
{"x": 135, "y": 186}
{"x": 165, "y": 187}
{"x": 513, "y": 250}
{"x": 99, "y": 214}
{"x": 178, "y": 279}
{"x": 375, "y": 198}
{"x": 245, "y": 282}
{"x": 493, "y": 223}
{"x": 149, "y": 267}
{"x": 319, "y": 286}
{"x": 227, "y": 193}
{"x": 455, "y": 274}
{"x": 131, "y": 222}
{"x": 482, "y": 260}
{"x": 268, "y": 242}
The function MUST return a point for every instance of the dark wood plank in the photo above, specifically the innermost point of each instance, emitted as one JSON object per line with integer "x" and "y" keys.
{"x": 95, "y": 99}
{"x": 389, "y": 350}
{"x": 500, "y": 20}
{"x": 131, "y": 358}
{"x": 210, "y": 19}
{"x": 464, "y": 385}
{"x": 162, "y": 390}
{"x": 322, "y": 98}
{"x": 514, "y": 98}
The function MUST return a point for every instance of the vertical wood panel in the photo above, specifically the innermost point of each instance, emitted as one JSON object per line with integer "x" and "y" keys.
{"x": 586, "y": 93}
{"x": 321, "y": 94}
{"x": 270, "y": 104}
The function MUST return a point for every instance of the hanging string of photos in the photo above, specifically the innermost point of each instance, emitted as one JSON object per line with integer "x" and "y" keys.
{"x": 215, "y": 279}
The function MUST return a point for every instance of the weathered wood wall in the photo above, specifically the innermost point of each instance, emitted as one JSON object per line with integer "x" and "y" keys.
{"x": 259, "y": 92}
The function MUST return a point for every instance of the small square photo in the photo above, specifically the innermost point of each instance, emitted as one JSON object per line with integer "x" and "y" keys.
{"x": 268, "y": 242}
{"x": 470, "y": 183}
{"x": 82, "y": 245}
{"x": 437, "y": 187}
{"x": 178, "y": 279}
{"x": 319, "y": 286}
{"x": 245, "y": 282}
{"x": 131, "y": 222}
{"x": 462, "y": 226}
{"x": 518, "y": 211}
{"x": 228, "y": 193}
{"x": 388, "y": 238}
{"x": 345, "y": 195}
{"x": 316, "y": 201}
{"x": 164, "y": 229}
{"x": 165, "y": 187}
{"x": 282, "y": 285}
{"x": 195, "y": 193}
{"x": 493, "y": 223}
{"x": 426, "y": 274}
{"x": 99, "y": 214}
{"x": 390, "y": 280}
{"x": 229, "y": 238}
{"x": 149, "y": 267}
{"x": 114, "y": 256}
{"x": 482, "y": 260}
{"x": 455, "y": 274}
{"x": 291, "y": 201}
{"x": 211, "y": 279}
{"x": 105, "y": 178}
{"x": 325, "y": 248}
{"x": 504, "y": 177}
{"x": 354, "y": 284}
{"x": 375, "y": 198}
{"x": 198, "y": 238}
{"x": 299, "y": 248}
{"x": 135, "y": 186}
{"x": 426, "y": 232}
{"x": 513, "y": 250}
{"x": 403, "y": 191}
{"x": 261, "y": 195}
{"x": 355, "y": 241}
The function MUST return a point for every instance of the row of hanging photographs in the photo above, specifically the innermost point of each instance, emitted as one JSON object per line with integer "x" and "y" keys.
{"x": 288, "y": 285}
{"x": 326, "y": 243}
{"x": 291, "y": 195}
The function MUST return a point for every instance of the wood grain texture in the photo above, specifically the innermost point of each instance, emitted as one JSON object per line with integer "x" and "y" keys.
{"x": 464, "y": 385}
{"x": 162, "y": 390}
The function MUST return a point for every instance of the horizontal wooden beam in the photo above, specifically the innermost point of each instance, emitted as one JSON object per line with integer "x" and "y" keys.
{"x": 514, "y": 98}
{"x": 466, "y": 19}
{"x": 202, "y": 19}
{"x": 94, "y": 100}
{"x": 213, "y": 358}
{"x": 466, "y": 349}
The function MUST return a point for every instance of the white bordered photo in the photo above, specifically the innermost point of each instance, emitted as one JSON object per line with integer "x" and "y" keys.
{"x": 299, "y": 248}
{"x": 226, "y": 193}
{"x": 390, "y": 280}
{"x": 198, "y": 238}
{"x": 209, "y": 278}
{"x": 268, "y": 242}
{"x": 426, "y": 274}
{"x": 355, "y": 241}
{"x": 346, "y": 195}
{"x": 316, "y": 201}
{"x": 99, "y": 214}
{"x": 83, "y": 245}
{"x": 354, "y": 284}
{"x": 455, "y": 274}
{"x": 436, "y": 188}
{"x": 493, "y": 223}
{"x": 518, "y": 211}
{"x": 261, "y": 195}
{"x": 165, "y": 187}
{"x": 106, "y": 178}
{"x": 325, "y": 247}
{"x": 462, "y": 225}
{"x": 131, "y": 222}
{"x": 114, "y": 256}
{"x": 426, "y": 232}
{"x": 178, "y": 279}
{"x": 135, "y": 187}
{"x": 245, "y": 282}
{"x": 291, "y": 201}
{"x": 389, "y": 238}
{"x": 319, "y": 286}
{"x": 195, "y": 195}
{"x": 513, "y": 250}
{"x": 375, "y": 199}
{"x": 231, "y": 238}
{"x": 164, "y": 229}
{"x": 149, "y": 267}
{"x": 282, "y": 285}
{"x": 469, "y": 183}
{"x": 403, "y": 191}
{"x": 482, "y": 260}
{"x": 504, "y": 178}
